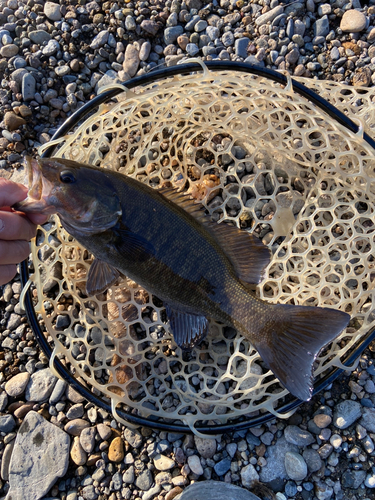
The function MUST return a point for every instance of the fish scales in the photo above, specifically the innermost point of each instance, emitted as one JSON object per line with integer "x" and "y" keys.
{"x": 198, "y": 268}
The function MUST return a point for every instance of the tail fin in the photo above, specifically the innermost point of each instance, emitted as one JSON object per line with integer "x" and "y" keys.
{"x": 290, "y": 342}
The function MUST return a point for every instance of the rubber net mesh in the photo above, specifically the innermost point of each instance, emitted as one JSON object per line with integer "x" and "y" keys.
{"x": 255, "y": 154}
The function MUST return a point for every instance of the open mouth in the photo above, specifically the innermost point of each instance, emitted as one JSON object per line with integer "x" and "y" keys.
{"x": 39, "y": 189}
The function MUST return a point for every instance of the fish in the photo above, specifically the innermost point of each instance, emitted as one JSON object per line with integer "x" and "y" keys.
{"x": 200, "y": 269}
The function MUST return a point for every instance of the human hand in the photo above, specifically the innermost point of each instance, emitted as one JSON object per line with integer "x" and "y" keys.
{"x": 16, "y": 229}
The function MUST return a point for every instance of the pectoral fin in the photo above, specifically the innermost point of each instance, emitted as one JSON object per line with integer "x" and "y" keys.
{"x": 188, "y": 329}
{"x": 131, "y": 245}
{"x": 100, "y": 277}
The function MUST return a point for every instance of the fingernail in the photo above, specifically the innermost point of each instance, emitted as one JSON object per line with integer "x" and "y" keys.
{"x": 2, "y": 225}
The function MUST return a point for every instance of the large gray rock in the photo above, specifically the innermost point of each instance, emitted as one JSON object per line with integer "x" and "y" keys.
{"x": 40, "y": 456}
{"x": 215, "y": 490}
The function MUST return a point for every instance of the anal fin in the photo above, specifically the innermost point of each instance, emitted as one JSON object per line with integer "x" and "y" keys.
{"x": 188, "y": 329}
{"x": 100, "y": 277}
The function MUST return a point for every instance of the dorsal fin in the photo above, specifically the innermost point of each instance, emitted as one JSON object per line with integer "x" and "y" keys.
{"x": 246, "y": 252}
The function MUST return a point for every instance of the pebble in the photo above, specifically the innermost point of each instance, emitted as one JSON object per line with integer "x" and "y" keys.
{"x": 52, "y": 11}
{"x": 39, "y": 36}
{"x": 144, "y": 480}
{"x": 12, "y": 121}
{"x": 116, "y": 450}
{"x": 222, "y": 467}
{"x": 40, "y": 385}
{"x": 133, "y": 437}
{"x": 312, "y": 459}
{"x": 269, "y": 16}
{"x": 87, "y": 439}
{"x": 368, "y": 419}
{"x": 163, "y": 463}
{"x": 249, "y": 476}
{"x": 17, "y": 384}
{"x": 295, "y": 466}
{"x": 76, "y": 426}
{"x": 9, "y": 50}
{"x": 195, "y": 465}
{"x": 293, "y": 434}
{"x": 77, "y": 453}
{"x": 353, "y": 21}
{"x": 28, "y": 87}
{"x": 7, "y": 423}
{"x": 240, "y": 47}
{"x": 105, "y": 432}
{"x": 132, "y": 60}
{"x": 346, "y": 413}
{"x": 206, "y": 447}
{"x": 171, "y": 34}
{"x": 128, "y": 476}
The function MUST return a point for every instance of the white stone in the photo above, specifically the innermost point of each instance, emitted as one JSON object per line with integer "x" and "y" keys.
{"x": 195, "y": 465}
{"x": 353, "y": 21}
{"x": 52, "y": 11}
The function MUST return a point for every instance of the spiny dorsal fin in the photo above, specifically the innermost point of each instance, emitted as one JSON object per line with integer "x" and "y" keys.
{"x": 246, "y": 252}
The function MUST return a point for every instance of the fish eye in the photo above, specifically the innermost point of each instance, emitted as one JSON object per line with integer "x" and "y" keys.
{"x": 67, "y": 177}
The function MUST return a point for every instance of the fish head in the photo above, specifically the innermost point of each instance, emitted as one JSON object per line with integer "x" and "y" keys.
{"x": 84, "y": 197}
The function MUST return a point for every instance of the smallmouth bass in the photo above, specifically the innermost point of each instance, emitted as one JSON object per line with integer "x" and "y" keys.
{"x": 163, "y": 241}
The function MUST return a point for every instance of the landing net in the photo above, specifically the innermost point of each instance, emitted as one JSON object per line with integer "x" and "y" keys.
{"x": 257, "y": 155}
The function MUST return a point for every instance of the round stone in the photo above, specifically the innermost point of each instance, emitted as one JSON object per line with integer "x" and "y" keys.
{"x": 206, "y": 447}
{"x": 322, "y": 421}
{"x": 295, "y": 466}
{"x": 116, "y": 450}
{"x": 353, "y": 21}
{"x": 17, "y": 384}
{"x": 195, "y": 465}
{"x": 163, "y": 463}
{"x": 77, "y": 453}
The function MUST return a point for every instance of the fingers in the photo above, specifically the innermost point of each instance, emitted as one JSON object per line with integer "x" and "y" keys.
{"x": 15, "y": 227}
{"x": 11, "y": 192}
{"x": 7, "y": 273}
{"x": 13, "y": 252}
{"x": 37, "y": 219}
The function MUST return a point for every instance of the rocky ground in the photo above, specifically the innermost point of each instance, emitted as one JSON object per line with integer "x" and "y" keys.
{"x": 54, "y": 56}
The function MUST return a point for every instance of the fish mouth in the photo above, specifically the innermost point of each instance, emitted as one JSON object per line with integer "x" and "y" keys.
{"x": 39, "y": 190}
